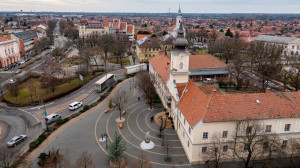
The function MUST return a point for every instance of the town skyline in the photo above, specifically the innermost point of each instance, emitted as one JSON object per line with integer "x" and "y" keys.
{"x": 152, "y": 6}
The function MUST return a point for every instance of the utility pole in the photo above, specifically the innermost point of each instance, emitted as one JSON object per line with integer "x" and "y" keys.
{"x": 45, "y": 113}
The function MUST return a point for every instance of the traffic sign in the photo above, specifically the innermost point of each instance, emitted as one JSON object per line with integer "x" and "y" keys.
{"x": 44, "y": 113}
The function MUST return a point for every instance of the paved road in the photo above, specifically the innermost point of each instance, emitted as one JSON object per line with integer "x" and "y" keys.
{"x": 17, "y": 122}
{"x": 83, "y": 135}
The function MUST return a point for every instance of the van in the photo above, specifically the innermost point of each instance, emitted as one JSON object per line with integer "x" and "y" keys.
{"x": 75, "y": 105}
{"x": 52, "y": 118}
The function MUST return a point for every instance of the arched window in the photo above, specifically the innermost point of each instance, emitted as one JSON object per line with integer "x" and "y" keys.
{"x": 181, "y": 65}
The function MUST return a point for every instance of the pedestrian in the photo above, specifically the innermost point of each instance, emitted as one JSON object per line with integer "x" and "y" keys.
{"x": 139, "y": 98}
{"x": 151, "y": 118}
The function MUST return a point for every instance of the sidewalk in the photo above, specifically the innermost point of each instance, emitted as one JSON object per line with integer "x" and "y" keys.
{"x": 31, "y": 157}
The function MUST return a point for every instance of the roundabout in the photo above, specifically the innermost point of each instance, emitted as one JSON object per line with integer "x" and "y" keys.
{"x": 136, "y": 125}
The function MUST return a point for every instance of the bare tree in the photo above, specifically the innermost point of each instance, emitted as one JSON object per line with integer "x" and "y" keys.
{"x": 106, "y": 43}
{"x": 142, "y": 161}
{"x": 147, "y": 85}
{"x": 238, "y": 66}
{"x": 55, "y": 160}
{"x": 162, "y": 119}
{"x": 293, "y": 151}
{"x": 98, "y": 53}
{"x": 120, "y": 100}
{"x": 85, "y": 161}
{"x": 217, "y": 151}
{"x": 247, "y": 141}
{"x": 294, "y": 74}
{"x": 85, "y": 55}
{"x": 8, "y": 157}
{"x": 14, "y": 88}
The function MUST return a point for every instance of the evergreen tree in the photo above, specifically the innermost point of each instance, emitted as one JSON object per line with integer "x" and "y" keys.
{"x": 117, "y": 147}
{"x": 229, "y": 33}
{"x": 239, "y": 26}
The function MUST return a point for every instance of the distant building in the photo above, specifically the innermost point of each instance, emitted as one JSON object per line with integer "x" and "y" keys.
{"x": 291, "y": 46}
{"x": 27, "y": 41}
{"x": 9, "y": 52}
{"x": 147, "y": 48}
{"x": 91, "y": 29}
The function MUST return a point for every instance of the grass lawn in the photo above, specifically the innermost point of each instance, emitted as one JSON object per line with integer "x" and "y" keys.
{"x": 71, "y": 62}
{"x": 114, "y": 60}
{"x": 25, "y": 98}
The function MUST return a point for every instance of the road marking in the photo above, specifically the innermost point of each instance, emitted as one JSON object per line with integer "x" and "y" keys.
{"x": 133, "y": 156}
{"x": 151, "y": 127}
{"x": 29, "y": 114}
{"x": 143, "y": 131}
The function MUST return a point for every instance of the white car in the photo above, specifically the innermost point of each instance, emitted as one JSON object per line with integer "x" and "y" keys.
{"x": 75, "y": 105}
{"x": 22, "y": 62}
{"x": 52, "y": 117}
{"x": 16, "y": 140}
{"x": 12, "y": 81}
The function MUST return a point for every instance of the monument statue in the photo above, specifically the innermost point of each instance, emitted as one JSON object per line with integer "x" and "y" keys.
{"x": 147, "y": 137}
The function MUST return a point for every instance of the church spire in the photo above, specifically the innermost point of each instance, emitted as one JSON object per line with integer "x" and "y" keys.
{"x": 179, "y": 11}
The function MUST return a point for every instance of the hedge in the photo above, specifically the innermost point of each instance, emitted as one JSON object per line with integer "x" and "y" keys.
{"x": 38, "y": 141}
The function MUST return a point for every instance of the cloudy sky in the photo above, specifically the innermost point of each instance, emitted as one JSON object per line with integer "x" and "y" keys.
{"x": 155, "y": 6}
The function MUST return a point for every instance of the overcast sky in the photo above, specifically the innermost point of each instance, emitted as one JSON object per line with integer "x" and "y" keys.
{"x": 154, "y": 6}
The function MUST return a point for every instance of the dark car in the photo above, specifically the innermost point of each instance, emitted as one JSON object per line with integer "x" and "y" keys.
{"x": 26, "y": 59}
{"x": 6, "y": 68}
{"x": 16, "y": 140}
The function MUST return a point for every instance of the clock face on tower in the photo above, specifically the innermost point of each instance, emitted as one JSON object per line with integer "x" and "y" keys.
{"x": 181, "y": 56}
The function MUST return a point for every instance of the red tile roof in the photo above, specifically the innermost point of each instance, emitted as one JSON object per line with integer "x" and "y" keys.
{"x": 193, "y": 104}
{"x": 140, "y": 36}
{"x": 161, "y": 64}
{"x": 180, "y": 88}
{"x": 2, "y": 39}
{"x": 198, "y": 104}
{"x": 123, "y": 26}
{"x": 130, "y": 28}
{"x": 116, "y": 23}
{"x": 253, "y": 106}
{"x": 205, "y": 62}
{"x": 106, "y": 24}
{"x": 209, "y": 89}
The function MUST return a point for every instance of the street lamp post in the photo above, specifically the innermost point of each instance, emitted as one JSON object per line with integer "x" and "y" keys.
{"x": 106, "y": 141}
{"x": 45, "y": 113}
{"x": 163, "y": 138}
{"x": 130, "y": 84}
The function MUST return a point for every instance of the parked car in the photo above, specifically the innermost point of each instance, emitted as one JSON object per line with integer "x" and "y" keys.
{"x": 12, "y": 81}
{"x": 6, "y": 68}
{"x": 207, "y": 79}
{"x": 52, "y": 117}
{"x": 16, "y": 140}
{"x": 26, "y": 59}
{"x": 18, "y": 71}
{"x": 22, "y": 62}
{"x": 75, "y": 105}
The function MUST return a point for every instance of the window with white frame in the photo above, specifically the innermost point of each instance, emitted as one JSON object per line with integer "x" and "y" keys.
{"x": 249, "y": 130}
{"x": 287, "y": 127}
{"x": 205, "y": 135}
{"x": 224, "y": 135}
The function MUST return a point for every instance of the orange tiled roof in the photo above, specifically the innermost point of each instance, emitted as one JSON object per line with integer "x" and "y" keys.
{"x": 161, "y": 64}
{"x": 2, "y": 39}
{"x": 140, "y": 36}
{"x": 180, "y": 88}
{"x": 209, "y": 89}
{"x": 123, "y": 26}
{"x": 106, "y": 24}
{"x": 193, "y": 104}
{"x": 197, "y": 105}
{"x": 116, "y": 23}
{"x": 130, "y": 28}
{"x": 205, "y": 62}
{"x": 253, "y": 106}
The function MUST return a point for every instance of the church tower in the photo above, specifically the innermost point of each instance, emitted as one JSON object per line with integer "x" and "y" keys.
{"x": 179, "y": 18}
{"x": 180, "y": 58}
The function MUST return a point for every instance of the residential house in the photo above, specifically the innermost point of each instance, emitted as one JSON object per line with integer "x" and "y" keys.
{"x": 9, "y": 51}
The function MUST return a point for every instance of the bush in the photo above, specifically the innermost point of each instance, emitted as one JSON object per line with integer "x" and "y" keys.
{"x": 43, "y": 156}
{"x": 34, "y": 144}
{"x": 93, "y": 104}
{"x": 42, "y": 137}
{"x": 82, "y": 111}
{"x": 75, "y": 115}
{"x": 102, "y": 97}
{"x": 86, "y": 107}
{"x": 119, "y": 81}
{"x": 61, "y": 121}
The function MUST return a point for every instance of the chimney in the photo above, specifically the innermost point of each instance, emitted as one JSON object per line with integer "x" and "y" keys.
{"x": 268, "y": 90}
{"x": 214, "y": 91}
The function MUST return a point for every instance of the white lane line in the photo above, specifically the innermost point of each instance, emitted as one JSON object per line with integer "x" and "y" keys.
{"x": 30, "y": 114}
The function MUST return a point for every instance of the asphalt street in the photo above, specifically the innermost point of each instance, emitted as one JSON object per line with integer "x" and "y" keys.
{"x": 84, "y": 134}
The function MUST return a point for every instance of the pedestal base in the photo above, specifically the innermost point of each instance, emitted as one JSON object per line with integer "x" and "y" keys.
{"x": 102, "y": 139}
{"x": 147, "y": 146}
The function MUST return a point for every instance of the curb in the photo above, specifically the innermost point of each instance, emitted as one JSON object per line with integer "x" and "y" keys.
{"x": 32, "y": 156}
